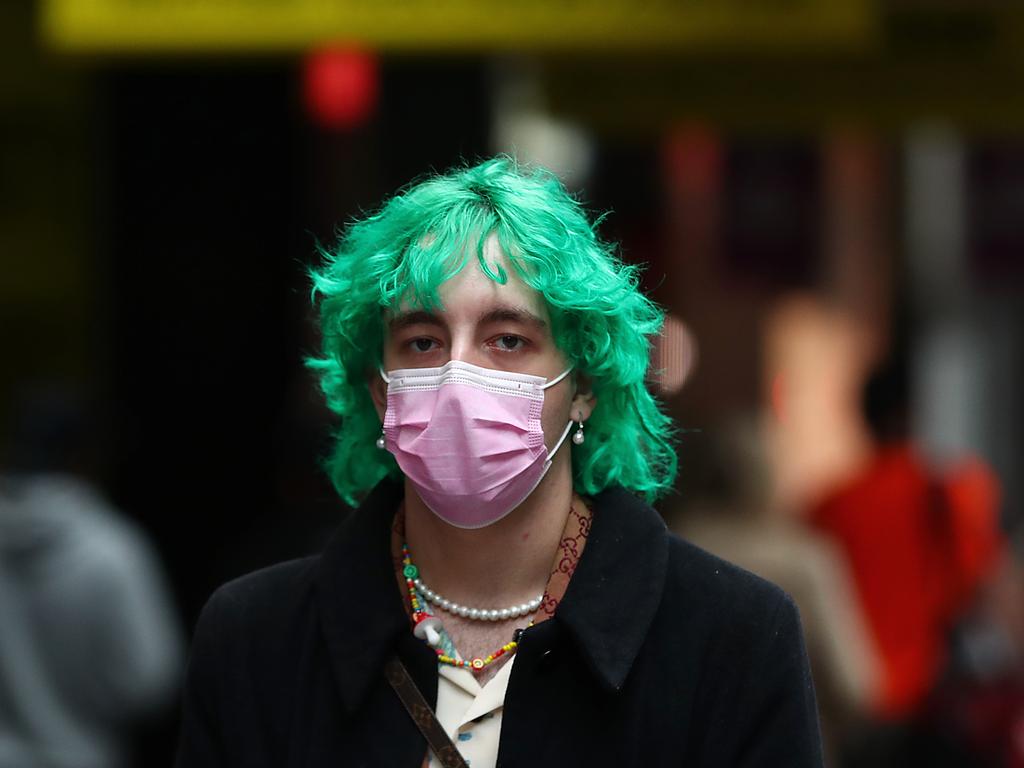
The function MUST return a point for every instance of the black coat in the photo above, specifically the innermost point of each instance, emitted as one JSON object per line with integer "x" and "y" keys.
{"x": 660, "y": 654}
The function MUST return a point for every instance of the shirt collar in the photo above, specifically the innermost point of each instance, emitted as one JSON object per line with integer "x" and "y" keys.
{"x": 607, "y": 609}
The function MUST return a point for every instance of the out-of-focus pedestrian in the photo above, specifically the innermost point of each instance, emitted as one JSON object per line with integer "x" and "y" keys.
{"x": 89, "y": 641}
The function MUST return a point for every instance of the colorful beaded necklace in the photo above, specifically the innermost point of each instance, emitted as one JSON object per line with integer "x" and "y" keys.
{"x": 426, "y": 625}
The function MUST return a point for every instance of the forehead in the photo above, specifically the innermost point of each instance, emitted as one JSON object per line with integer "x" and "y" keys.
{"x": 471, "y": 293}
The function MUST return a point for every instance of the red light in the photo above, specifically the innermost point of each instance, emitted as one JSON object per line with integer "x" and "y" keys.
{"x": 340, "y": 87}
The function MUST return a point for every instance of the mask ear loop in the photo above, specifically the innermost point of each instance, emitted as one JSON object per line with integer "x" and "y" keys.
{"x": 565, "y": 434}
{"x": 557, "y": 378}
{"x": 381, "y": 442}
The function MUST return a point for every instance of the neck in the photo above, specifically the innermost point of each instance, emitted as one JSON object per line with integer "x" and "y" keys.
{"x": 505, "y": 563}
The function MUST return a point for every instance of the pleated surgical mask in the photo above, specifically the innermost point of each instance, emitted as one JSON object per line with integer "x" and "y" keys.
{"x": 469, "y": 439}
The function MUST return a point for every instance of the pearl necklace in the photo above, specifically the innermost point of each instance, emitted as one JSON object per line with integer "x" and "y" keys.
{"x": 427, "y": 627}
{"x": 478, "y": 614}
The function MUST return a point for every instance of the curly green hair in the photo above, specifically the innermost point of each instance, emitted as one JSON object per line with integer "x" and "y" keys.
{"x": 420, "y": 238}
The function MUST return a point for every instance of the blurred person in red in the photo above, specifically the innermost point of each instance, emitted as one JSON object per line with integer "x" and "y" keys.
{"x": 920, "y": 538}
{"x": 760, "y": 470}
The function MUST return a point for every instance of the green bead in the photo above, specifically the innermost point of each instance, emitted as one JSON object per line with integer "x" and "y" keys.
{"x": 410, "y": 571}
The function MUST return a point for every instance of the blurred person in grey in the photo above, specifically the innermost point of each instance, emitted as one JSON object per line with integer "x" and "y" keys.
{"x": 89, "y": 643}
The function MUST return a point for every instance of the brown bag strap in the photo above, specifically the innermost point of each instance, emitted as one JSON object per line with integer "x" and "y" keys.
{"x": 421, "y": 714}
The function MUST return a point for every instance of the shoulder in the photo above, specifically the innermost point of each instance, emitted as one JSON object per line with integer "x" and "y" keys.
{"x": 239, "y": 673}
{"x": 249, "y": 625}
{"x": 267, "y": 583}
{"x": 711, "y": 593}
{"x": 257, "y": 603}
{"x": 718, "y": 605}
{"x": 705, "y": 575}
{"x": 724, "y": 641}
{"x": 732, "y": 604}
{"x": 755, "y": 678}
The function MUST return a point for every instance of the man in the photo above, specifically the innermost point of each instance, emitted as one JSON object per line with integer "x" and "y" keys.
{"x": 503, "y": 589}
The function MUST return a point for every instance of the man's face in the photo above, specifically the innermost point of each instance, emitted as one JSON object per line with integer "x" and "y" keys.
{"x": 502, "y": 327}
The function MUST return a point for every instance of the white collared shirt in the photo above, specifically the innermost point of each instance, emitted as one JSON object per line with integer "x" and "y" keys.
{"x": 471, "y": 714}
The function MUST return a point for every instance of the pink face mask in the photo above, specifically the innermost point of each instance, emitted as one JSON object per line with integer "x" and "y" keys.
{"x": 468, "y": 438}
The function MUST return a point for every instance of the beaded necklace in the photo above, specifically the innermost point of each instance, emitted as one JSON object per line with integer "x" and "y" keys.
{"x": 426, "y": 626}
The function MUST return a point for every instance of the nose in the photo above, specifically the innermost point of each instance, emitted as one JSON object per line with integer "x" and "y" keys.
{"x": 464, "y": 348}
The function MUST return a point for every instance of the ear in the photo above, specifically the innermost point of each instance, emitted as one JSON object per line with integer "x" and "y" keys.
{"x": 378, "y": 392}
{"x": 583, "y": 402}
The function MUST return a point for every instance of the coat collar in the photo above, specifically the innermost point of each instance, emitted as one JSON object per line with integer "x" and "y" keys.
{"x": 616, "y": 589}
{"x": 607, "y": 609}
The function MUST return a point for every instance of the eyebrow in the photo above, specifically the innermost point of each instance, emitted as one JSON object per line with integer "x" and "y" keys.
{"x": 512, "y": 315}
{"x": 413, "y": 317}
{"x": 496, "y": 315}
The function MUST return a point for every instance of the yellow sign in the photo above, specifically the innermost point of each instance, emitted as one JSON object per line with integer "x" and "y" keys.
{"x": 146, "y": 26}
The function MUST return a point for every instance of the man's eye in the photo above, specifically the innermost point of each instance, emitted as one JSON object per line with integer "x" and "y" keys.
{"x": 422, "y": 345}
{"x": 510, "y": 343}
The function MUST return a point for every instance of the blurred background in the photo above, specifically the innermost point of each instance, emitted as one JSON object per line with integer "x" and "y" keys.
{"x": 828, "y": 199}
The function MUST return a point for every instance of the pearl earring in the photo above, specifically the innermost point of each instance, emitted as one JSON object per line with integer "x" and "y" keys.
{"x": 380, "y": 440}
{"x": 577, "y": 438}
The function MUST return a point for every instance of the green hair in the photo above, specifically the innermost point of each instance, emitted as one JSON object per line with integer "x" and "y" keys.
{"x": 420, "y": 238}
